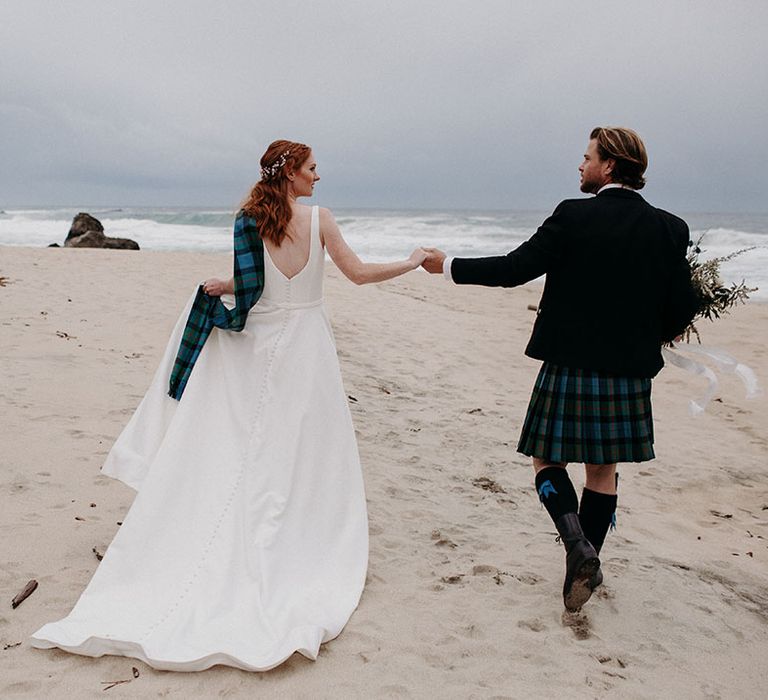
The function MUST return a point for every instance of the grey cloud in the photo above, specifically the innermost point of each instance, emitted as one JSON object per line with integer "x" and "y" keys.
{"x": 429, "y": 104}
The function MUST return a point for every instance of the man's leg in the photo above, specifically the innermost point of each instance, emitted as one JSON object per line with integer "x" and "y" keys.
{"x": 557, "y": 494}
{"x": 555, "y": 489}
{"x": 597, "y": 510}
{"x": 598, "y": 502}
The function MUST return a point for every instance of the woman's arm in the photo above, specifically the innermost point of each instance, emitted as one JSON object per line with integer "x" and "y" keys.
{"x": 355, "y": 269}
{"x": 215, "y": 287}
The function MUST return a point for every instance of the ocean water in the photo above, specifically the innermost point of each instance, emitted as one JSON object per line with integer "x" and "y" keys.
{"x": 380, "y": 234}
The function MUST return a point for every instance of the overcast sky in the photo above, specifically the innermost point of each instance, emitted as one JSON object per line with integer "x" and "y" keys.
{"x": 406, "y": 103}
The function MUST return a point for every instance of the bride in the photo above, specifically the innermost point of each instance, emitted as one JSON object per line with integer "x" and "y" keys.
{"x": 248, "y": 538}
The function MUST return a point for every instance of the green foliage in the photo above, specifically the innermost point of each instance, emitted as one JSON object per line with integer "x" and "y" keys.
{"x": 716, "y": 298}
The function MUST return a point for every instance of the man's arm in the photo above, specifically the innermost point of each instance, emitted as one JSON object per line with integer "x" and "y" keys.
{"x": 528, "y": 261}
{"x": 682, "y": 301}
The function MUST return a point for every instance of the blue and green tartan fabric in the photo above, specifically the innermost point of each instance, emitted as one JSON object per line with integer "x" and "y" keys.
{"x": 208, "y": 311}
{"x": 578, "y": 415}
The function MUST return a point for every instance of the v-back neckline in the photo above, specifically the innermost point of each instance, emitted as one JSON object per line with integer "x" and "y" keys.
{"x": 309, "y": 254}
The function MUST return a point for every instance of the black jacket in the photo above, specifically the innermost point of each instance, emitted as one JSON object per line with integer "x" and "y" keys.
{"x": 617, "y": 282}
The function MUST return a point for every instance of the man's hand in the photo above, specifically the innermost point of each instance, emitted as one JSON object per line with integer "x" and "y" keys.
{"x": 434, "y": 261}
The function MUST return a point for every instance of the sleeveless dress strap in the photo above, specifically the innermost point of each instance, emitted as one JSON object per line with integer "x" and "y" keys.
{"x": 314, "y": 230}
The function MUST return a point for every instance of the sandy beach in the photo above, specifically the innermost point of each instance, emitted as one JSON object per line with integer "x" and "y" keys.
{"x": 463, "y": 591}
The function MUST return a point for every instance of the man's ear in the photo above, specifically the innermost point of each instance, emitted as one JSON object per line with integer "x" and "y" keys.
{"x": 610, "y": 164}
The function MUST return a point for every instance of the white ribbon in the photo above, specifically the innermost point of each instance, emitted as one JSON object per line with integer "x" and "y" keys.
{"x": 724, "y": 362}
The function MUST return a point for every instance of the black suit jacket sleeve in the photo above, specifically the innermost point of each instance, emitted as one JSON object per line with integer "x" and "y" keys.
{"x": 525, "y": 263}
{"x": 682, "y": 302}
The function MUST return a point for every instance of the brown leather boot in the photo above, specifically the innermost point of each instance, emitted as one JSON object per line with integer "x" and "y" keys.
{"x": 581, "y": 562}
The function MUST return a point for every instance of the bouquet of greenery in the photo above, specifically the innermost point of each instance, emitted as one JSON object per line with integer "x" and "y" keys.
{"x": 716, "y": 298}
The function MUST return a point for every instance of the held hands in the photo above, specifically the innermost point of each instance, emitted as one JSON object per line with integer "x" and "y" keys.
{"x": 417, "y": 257}
{"x": 434, "y": 260}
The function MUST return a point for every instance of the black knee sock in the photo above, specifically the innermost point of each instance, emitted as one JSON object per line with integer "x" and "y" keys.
{"x": 556, "y": 492}
{"x": 597, "y": 514}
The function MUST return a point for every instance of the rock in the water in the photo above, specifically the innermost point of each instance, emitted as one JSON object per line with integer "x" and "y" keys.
{"x": 96, "y": 239}
{"x": 122, "y": 243}
{"x": 87, "y": 232}
{"x": 83, "y": 223}
{"x": 89, "y": 239}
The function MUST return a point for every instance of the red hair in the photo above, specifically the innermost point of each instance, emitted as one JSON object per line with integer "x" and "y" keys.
{"x": 268, "y": 200}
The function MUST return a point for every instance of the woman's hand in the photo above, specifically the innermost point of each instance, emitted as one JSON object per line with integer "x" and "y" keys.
{"x": 215, "y": 287}
{"x": 417, "y": 257}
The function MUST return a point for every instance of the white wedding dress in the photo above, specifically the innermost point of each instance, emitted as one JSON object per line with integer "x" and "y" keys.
{"x": 248, "y": 538}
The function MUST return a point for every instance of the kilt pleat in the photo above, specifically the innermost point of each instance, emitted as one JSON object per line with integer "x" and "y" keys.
{"x": 578, "y": 415}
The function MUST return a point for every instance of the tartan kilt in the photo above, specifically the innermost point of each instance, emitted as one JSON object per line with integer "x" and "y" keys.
{"x": 578, "y": 415}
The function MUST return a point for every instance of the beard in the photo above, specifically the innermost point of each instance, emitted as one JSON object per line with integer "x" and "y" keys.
{"x": 589, "y": 186}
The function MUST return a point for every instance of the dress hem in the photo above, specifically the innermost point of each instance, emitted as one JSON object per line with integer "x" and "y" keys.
{"x": 96, "y": 646}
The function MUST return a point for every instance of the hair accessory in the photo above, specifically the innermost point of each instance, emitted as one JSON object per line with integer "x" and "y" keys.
{"x": 272, "y": 170}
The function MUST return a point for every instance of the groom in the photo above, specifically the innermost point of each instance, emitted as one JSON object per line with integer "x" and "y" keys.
{"x": 617, "y": 287}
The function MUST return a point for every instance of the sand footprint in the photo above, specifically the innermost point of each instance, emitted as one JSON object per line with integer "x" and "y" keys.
{"x": 27, "y": 688}
{"x": 616, "y": 565}
{"x": 481, "y": 569}
{"x": 579, "y": 624}
{"x": 535, "y": 625}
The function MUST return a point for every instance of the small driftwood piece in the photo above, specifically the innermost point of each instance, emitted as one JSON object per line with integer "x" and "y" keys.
{"x": 108, "y": 685}
{"x": 25, "y": 592}
{"x": 533, "y": 307}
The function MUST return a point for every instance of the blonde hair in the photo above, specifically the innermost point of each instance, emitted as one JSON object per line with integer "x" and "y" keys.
{"x": 627, "y": 149}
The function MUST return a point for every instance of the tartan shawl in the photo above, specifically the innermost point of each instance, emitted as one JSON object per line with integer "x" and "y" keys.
{"x": 208, "y": 311}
